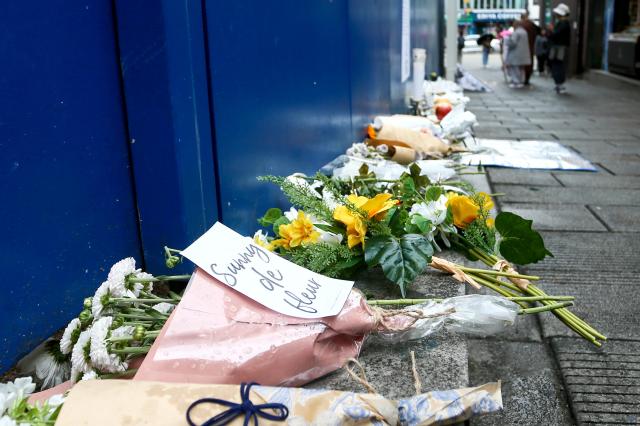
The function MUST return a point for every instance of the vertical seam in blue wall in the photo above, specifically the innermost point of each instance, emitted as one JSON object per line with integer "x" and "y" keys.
{"x": 212, "y": 122}
{"x": 125, "y": 119}
{"x": 349, "y": 67}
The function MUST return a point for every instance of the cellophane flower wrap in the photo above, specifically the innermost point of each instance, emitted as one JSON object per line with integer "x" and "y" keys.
{"x": 218, "y": 335}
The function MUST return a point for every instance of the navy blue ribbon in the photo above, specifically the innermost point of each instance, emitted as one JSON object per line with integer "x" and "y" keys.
{"x": 245, "y": 408}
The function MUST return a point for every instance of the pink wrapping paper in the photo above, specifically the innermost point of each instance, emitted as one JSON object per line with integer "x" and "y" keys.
{"x": 217, "y": 335}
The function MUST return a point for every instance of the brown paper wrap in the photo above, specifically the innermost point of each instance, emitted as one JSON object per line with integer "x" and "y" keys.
{"x": 458, "y": 274}
{"x": 422, "y": 142}
{"x": 123, "y": 402}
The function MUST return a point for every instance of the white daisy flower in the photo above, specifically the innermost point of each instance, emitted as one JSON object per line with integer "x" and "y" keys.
{"x": 15, "y": 391}
{"x": 101, "y": 358}
{"x": 79, "y": 361}
{"x": 163, "y": 307}
{"x": 70, "y": 336}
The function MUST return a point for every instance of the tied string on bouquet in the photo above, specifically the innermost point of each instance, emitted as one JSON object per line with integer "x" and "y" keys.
{"x": 382, "y": 317}
{"x": 458, "y": 274}
{"x": 360, "y": 376}
{"x": 504, "y": 266}
{"x": 246, "y": 408}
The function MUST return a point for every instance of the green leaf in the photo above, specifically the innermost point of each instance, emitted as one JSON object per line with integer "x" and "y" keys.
{"x": 402, "y": 259}
{"x": 423, "y": 224}
{"x": 329, "y": 228}
{"x": 270, "y": 217}
{"x": 433, "y": 193}
{"x": 276, "y": 225}
{"x": 399, "y": 217}
{"x": 519, "y": 244}
{"x": 420, "y": 181}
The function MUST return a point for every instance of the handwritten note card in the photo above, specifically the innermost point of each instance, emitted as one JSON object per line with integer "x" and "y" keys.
{"x": 265, "y": 277}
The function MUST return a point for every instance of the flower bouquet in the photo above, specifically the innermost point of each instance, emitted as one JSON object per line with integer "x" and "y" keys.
{"x": 344, "y": 226}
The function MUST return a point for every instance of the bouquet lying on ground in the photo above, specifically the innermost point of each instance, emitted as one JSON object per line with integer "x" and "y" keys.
{"x": 340, "y": 227}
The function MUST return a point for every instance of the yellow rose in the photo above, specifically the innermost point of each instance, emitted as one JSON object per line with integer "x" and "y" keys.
{"x": 464, "y": 208}
{"x": 299, "y": 232}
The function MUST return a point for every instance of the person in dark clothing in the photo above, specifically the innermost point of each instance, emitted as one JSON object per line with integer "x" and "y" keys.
{"x": 460, "y": 43}
{"x": 559, "y": 41}
{"x": 532, "y": 32}
{"x": 542, "y": 51}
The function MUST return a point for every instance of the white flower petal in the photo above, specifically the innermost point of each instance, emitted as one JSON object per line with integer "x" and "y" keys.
{"x": 101, "y": 359}
{"x": 79, "y": 363}
{"x": 65, "y": 342}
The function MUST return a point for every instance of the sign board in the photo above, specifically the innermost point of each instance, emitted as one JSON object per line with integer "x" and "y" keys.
{"x": 265, "y": 277}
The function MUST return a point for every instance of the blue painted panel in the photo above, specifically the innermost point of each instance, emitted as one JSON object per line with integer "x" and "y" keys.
{"x": 67, "y": 209}
{"x": 281, "y": 95}
{"x": 163, "y": 61}
{"x": 369, "y": 34}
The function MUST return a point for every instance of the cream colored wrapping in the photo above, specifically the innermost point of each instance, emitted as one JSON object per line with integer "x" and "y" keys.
{"x": 403, "y": 155}
{"x": 421, "y": 142}
{"x": 124, "y": 402}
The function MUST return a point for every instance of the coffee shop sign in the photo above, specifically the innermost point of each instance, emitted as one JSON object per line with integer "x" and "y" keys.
{"x": 497, "y": 15}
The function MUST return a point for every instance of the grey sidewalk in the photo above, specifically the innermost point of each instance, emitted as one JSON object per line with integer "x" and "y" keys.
{"x": 590, "y": 222}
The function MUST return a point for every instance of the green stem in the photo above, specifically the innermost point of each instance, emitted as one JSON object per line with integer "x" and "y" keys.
{"x": 131, "y": 350}
{"x": 159, "y": 278}
{"x": 128, "y": 300}
{"x": 540, "y": 298}
{"x": 546, "y": 308}
{"x": 499, "y": 273}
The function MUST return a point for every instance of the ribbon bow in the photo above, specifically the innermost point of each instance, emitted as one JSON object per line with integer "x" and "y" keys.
{"x": 246, "y": 408}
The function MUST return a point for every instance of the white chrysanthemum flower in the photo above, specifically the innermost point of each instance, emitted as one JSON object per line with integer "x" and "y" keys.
{"x": 70, "y": 334}
{"x": 137, "y": 287}
{"x": 101, "y": 297}
{"x": 50, "y": 371}
{"x": 101, "y": 359}
{"x": 163, "y": 307}
{"x": 118, "y": 278}
{"x": 90, "y": 375}
{"x": 434, "y": 211}
{"x": 79, "y": 362}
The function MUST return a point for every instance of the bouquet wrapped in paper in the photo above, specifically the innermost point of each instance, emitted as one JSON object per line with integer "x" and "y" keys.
{"x": 218, "y": 335}
{"x": 108, "y": 402}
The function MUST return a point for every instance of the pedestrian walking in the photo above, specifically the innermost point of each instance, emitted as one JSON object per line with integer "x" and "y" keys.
{"x": 485, "y": 42}
{"x": 460, "y": 44}
{"x": 559, "y": 40}
{"x": 532, "y": 32}
{"x": 518, "y": 56}
{"x": 541, "y": 49}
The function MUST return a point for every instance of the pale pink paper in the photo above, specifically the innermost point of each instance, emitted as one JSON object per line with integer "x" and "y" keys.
{"x": 217, "y": 335}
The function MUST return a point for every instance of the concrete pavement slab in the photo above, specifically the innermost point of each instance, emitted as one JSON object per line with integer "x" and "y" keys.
{"x": 557, "y": 217}
{"x": 548, "y": 195}
{"x": 619, "y": 218}
{"x": 521, "y": 177}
